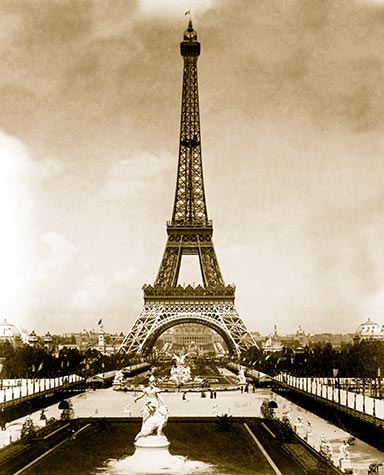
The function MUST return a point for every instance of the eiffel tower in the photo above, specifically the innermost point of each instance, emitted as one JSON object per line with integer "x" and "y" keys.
{"x": 167, "y": 303}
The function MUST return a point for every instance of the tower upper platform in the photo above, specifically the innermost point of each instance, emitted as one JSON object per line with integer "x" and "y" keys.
{"x": 190, "y": 46}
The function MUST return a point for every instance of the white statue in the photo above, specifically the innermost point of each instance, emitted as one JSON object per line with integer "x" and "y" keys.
{"x": 308, "y": 433}
{"x": 286, "y": 416}
{"x": 242, "y": 380}
{"x": 325, "y": 448}
{"x": 151, "y": 454}
{"x": 154, "y": 412}
{"x": 180, "y": 360}
{"x": 344, "y": 460}
{"x": 154, "y": 420}
{"x": 118, "y": 380}
{"x": 299, "y": 427}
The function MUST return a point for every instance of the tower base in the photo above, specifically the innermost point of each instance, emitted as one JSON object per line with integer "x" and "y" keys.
{"x": 156, "y": 317}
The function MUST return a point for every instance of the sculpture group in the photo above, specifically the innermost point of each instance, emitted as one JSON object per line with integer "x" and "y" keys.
{"x": 181, "y": 373}
{"x": 154, "y": 412}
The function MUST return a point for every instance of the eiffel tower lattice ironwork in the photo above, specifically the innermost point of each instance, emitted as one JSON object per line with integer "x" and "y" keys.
{"x": 166, "y": 303}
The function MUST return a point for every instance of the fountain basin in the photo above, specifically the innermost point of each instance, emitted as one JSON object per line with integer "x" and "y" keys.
{"x": 151, "y": 456}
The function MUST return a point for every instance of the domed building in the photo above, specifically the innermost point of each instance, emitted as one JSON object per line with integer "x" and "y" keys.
{"x": 8, "y": 332}
{"x": 369, "y": 330}
{"x": 302, "y": 337}
{"x": 33, "y": 339}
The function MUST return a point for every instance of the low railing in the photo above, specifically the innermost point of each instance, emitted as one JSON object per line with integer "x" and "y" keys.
{"x": 331, "y": 390}
{"x": 24, "y": 389}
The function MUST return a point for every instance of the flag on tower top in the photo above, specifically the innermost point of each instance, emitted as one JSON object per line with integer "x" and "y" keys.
{"x": 100, "y": 321}
{"x": 187, "y": 12}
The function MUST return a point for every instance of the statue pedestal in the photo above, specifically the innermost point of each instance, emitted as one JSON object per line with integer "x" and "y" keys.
{"x": 345, "y": 465}
{"x": 152, "y": 456}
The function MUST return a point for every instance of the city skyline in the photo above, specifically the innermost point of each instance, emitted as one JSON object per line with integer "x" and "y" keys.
{"x": 291, "y": 101}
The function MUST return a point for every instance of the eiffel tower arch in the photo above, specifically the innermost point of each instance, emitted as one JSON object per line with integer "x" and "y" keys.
{"x": 166, "y": 302}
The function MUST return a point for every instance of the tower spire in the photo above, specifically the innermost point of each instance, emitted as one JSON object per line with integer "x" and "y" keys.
{"x": 189, "y": 205}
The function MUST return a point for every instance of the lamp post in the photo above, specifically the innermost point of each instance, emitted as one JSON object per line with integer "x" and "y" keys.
{"x": 33, "y": 378}
{"x": 379, "y": 381}
{"x": 336, "y": 375}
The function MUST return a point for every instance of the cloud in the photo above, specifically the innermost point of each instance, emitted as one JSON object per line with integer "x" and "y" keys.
{"x": 133, "y": 179}
{"x": 378, "y": 3}
{"x": 24, "y": 266}
{"x": 323, "y": 59}
{"x": 171, "y": 8}
{"x": 10, "y": 25}
{"x": 292, "y": 55}
{"x": 56, "y": 21}
{"x": 17, "y": 222}
{"x": 374, "y": 305}
{"x": 89, "y": 296}
{"x": 124, "y": 276}
{"x": 93, "y": 88}
{"x": 57, "y": 253}
{"x": 46, "y": 169}
{"x": 112, "y": 18}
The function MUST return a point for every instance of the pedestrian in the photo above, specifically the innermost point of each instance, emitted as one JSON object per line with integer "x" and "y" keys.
{"x": 214, "y": 394}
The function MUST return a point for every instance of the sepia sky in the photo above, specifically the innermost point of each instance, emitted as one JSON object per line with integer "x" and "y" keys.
{"x": 292, "y": 109}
